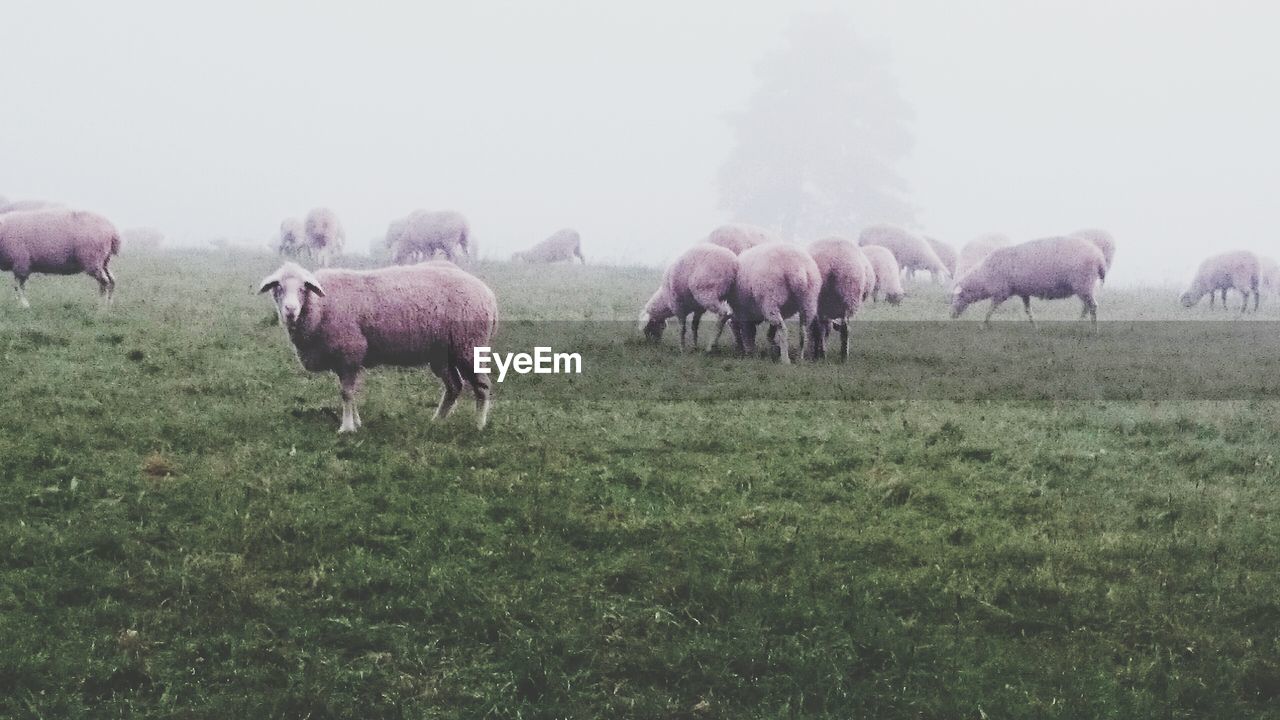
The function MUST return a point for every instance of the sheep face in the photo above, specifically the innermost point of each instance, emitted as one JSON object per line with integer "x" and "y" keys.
{"x": 1189, "y": 299}
{"x": 291, "y": 287}
{"x": 961, "y": 298}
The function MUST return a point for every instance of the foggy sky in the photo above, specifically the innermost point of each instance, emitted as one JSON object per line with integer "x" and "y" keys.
{"x": 1152, "y": 118}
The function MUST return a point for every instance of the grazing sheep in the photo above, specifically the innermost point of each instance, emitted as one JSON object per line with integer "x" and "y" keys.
{"x": 563, "y": 244}
{"x": 431, "y": 314}
{"x": 423, "y": 233}
{"x": 293, "y": 237}
{"x": 887, "y": 281}
{"x": 1102, "y": 239}
{"x": 58, "y": 242}
{"x": 1049, "y": 268}
{"x": 977, "y": 249}
{"x": 699, "y": 281}
{"x": 945, "y": 253}
{"x": 738, "y": 237}
{"x": 868, "y": 275}
{"x": 911, "y": 251}
{"x": 775, "y": 281}
{"x": 324, "y": 235}
{"x": 842, "y": 271}
{"x": 1238, "y": 270}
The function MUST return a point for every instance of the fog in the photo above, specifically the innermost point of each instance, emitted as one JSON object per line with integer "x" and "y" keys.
{"x": 1151, "y": 118}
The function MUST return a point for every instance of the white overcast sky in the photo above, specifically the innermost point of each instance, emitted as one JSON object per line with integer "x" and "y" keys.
{"x": 1156, "y": 119}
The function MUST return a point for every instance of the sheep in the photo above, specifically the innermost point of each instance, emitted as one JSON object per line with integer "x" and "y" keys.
{"x": 565, "y": 244}
{"x": 841, "y": 270}
{"x": 886, "y": 275}
{"x": 1049, "y": 268}
{"x": 1237, "y": 270}
{"x": 974, "y": 251}
{"x": 699, "y": 281}
{"x": 430, "y": 314}
{"x": 1103, "y": 239}
{"x": 775, "y": 281}
{"x": 324, "y": 235}
{"x": 868, "y": 275}
{"x": 292, "y": 238}
{"x": 422, "y": 233}
{"x": 910, "y": 250}
{"x": 738, "y": 237}
{"x": 945, "y": 253}
{"x": 58, "y": 241}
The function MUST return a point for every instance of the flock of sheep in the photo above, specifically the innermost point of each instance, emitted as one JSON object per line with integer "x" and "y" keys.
{"x": 748, "y": 276}
{"x": 426, "y": 311}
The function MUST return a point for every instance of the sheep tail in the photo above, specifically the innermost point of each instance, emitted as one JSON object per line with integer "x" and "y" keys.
{"x": 115, "y": 244}
{"x": 1102, "y": 271}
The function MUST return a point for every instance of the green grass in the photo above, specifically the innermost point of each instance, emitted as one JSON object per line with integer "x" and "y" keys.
{"x": 184, "y": 534}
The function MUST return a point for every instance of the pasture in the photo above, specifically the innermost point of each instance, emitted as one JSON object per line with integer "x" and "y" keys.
{"x": 183, "y": 534}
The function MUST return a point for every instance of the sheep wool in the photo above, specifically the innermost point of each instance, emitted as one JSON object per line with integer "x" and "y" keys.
{"x": 564, "y": 244}
{"x": 698, "y": 282}
{"x": 58, "y": 241}
{"x": 324, "y": 235}
{"x": 842, "y": 271}
{"x": 976, "y": 250}
{"x": 1049, "y": 268}
{"x": 739, "y": 237}
{"x": 887, "y": 275}
{"x": 775, "y": 281}
{"x": 430, "y": 314}
{"x": 910, "y": 250}
{"x": 423, "y": 233}
{"x": 1238, "y": 270}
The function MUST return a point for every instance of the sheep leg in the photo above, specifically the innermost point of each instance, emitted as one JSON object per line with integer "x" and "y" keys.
{"x": 724, "y": 319}
{"x": 1090, "y": 309}
{"x": 778, "y": 336}
{"x": 995, "y": 305}
{"x": 684, "y": 329}
{"x": 452, "y": 389}
{"x": 843, "y": 327}
{"x": 1244, "y": 307}
{"x": 111, "y": 284}
{"x": 20, "y": 287}
{"x": 697, "y": 320}
{"x": 349, "y": 380}
{"x": 1026, "y": 305}
{"x": 1256, "y": 298}
{"x": 480, "y": 386}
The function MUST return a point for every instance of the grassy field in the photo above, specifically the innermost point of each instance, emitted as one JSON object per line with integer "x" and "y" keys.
{"x": 184, "y": 535}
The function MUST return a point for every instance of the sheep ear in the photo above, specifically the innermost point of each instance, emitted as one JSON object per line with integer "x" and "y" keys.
{"x": 271, "y": 282}
{"x": 314, "y": 286}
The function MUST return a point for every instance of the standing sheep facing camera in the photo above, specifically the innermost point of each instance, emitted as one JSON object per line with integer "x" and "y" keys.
{"x": 431, "y": 314}
{"x": 1050, "y": 268}
{"x": 565, "y": 244}
{"x": 324, "y": 235}
{"x": 698, "y": 282}
{"x": 292, "y": 238}
{"x": 976, "y": 250}
{"x": 738, "y": 237}
{"x": 423, "y": 233}
{"x": 910, "y": 250}
{"x": 886, "y": 275}
{"x": 58, "y": 242}
{"x": 842, "y": 272}
{"x": 775, "y": 281}
{"x": 1238, "y": 270}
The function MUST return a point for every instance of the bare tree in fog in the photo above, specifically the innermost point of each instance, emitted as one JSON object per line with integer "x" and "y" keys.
{"x": 819, "y": 141}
